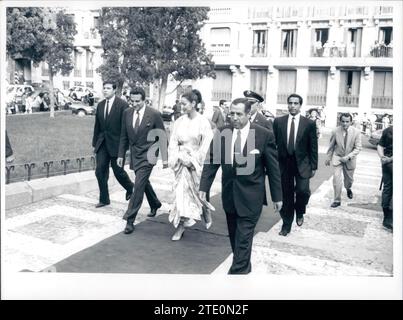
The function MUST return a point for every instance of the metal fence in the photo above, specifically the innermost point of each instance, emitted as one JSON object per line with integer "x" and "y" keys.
{"x": 50, "y": 168}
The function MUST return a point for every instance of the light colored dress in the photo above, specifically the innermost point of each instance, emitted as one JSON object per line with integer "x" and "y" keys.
{"x": 189, "y": 142}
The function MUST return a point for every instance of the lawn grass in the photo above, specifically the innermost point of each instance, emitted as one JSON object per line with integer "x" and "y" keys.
{"x": 36, "y": 138}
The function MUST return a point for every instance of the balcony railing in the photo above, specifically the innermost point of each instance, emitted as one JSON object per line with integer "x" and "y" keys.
{"x": 288, "y": 53}
{"x": 384, "y": 11}
{"x": 333, "y": 51}
{"x": 220, "y": 11}
{"x": 77, "y": 73}
{"x": 221, "y": 95}
{"x": 382, "y": 52}
{"x": 349, "y": 101}
{"x": 382, "y": 102}
{"x": 220, "y": 51}
{"x": 256, "y": 13}
{"x": 259, "y": 51}
{"x": 316, "y": 99}
{"x": 89, "y": 73}
{"x": 282, "y": 97}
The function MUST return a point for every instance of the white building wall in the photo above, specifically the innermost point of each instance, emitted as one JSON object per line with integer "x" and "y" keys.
{"x": 332, "y": 96}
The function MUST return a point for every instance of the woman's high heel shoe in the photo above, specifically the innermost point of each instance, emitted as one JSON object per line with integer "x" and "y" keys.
{"x": 178, "y": 233}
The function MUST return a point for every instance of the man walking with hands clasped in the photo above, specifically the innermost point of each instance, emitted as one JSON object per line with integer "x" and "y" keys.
{"x": 345, "y": 145}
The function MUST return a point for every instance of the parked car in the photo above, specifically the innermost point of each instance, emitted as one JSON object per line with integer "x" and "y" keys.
{"x": 167, "y": 113}
{"x": 14, "y": 96}
{"x": 82, "y": 110}
{"x": 375, "y": 137}
{"x": 79, "y": 93}
{"x": 268, "y": 114}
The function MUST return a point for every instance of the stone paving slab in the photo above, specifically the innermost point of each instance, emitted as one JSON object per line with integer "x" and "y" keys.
{"x": 348, "y": 240}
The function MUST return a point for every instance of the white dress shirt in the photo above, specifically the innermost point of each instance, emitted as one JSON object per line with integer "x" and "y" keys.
{"x": 110, "y": 104}
{"x": 141, "y": 115}
{"x": 244, "y": 136}
{"x": 252, "y": 118}
{"x": 296, "y": 124}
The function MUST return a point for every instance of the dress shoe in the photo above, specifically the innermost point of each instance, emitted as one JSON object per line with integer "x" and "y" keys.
{"x": 129, "y": 228}
{"x": 284, "y": 232}
{"x": 335, "y": 204}
{"x": 100, "y": 204}
{"x": 153, "y": 211}
{"x": 300, "y": 221}
{"x": 387, "y": 223}
{"x": 349, "y": 194}
{"x": 178, "y": 233}
{"x": 128, "y": 194}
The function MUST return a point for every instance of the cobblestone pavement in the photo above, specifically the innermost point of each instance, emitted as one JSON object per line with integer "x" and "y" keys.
{"x": 349, "y": 240}
{"x": 45, "y": 232}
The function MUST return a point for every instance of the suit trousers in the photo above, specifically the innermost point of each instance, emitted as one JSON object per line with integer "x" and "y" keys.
{"x": 341, "y": 171}
{"x": 240, "y": 231}
{"x": 387, "y": 192}
{"x": 296, "y": 192}
{"x": 103, "y": 159}
{"x": 141, "y": 185}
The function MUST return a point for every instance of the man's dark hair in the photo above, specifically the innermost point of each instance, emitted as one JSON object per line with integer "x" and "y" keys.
{"x": 346, "y": 115}
{"x": 246, "y": 103}
{"x": 41, "y": 94}
{"x": 294, "y": 95}
{"x": 109, "y": 82}
{"x": 138, "y": 90}
{"x": 222, "y": 102}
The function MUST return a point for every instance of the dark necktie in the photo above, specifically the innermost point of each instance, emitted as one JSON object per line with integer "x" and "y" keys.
{"x": 237, "y": 146}
{"x": 291, "y": 138}
{"x": 345, "y": 139}
{"x": 106, "y": 109}
{"x": 137, "y": 124}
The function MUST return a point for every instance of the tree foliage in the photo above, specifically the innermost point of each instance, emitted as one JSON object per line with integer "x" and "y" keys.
{"x": 42, "y": 35}
{"x": 149, "y": 45}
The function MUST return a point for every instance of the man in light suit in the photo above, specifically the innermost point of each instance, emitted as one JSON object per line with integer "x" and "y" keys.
{"x": 108, "y": 120}
{"x": 255, "y": 115}
{"x": 297, "y": 146}
{"x": 345, "y": 145}
{"x": 143, "y": 130}
{"x": 246, "y": 153}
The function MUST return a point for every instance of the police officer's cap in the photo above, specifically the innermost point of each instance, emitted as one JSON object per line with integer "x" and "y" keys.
{"x": 253, "y": 95}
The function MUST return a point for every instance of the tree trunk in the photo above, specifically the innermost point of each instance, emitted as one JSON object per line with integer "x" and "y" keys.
{"x": 51, "y": 94}
{"x": 156, "y": 90}
{"x": 162, "y": 92}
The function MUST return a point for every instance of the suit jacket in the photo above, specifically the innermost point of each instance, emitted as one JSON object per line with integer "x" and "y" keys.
{"x": 337, "y": 150}
{"x": 306, "y": 145}
{"x": 145, "y": 138}
{"x": 262, "y": 121}
{"x": 245, "y": 193}
{"x": 108, "y": 130}
{"x": 9, "y": 149}
{"x": 217, "y": 118}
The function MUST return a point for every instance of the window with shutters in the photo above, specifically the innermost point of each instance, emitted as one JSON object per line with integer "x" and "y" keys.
{"x": 258, "y": 81}
{"x": 382, "y": 92}
{"x": 287, "y": 81}
{"x": 222, "y": 85}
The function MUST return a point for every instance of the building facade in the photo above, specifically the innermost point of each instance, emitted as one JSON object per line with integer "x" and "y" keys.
{"x": 87, "y": 57}
{"x": 336, "y": 57}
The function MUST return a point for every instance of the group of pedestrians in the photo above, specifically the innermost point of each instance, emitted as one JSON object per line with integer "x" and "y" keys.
{"x": 240, "y": 141}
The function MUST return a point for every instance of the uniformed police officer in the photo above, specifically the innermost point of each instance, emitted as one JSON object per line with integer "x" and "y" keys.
{"x": 255, "y": 115}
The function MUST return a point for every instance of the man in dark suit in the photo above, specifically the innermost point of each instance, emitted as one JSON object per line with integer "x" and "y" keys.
{"x": 245, "y": 152}
{"x": 9, "y": 150}
{"x": 143, "y": 130}
{"x": 297, "y": 146}
{"x": 108, "y": 121}
{"x": 255, "y": 115}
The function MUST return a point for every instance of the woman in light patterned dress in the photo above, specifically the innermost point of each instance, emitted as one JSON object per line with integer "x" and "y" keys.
{"x": 190, "y": 140}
